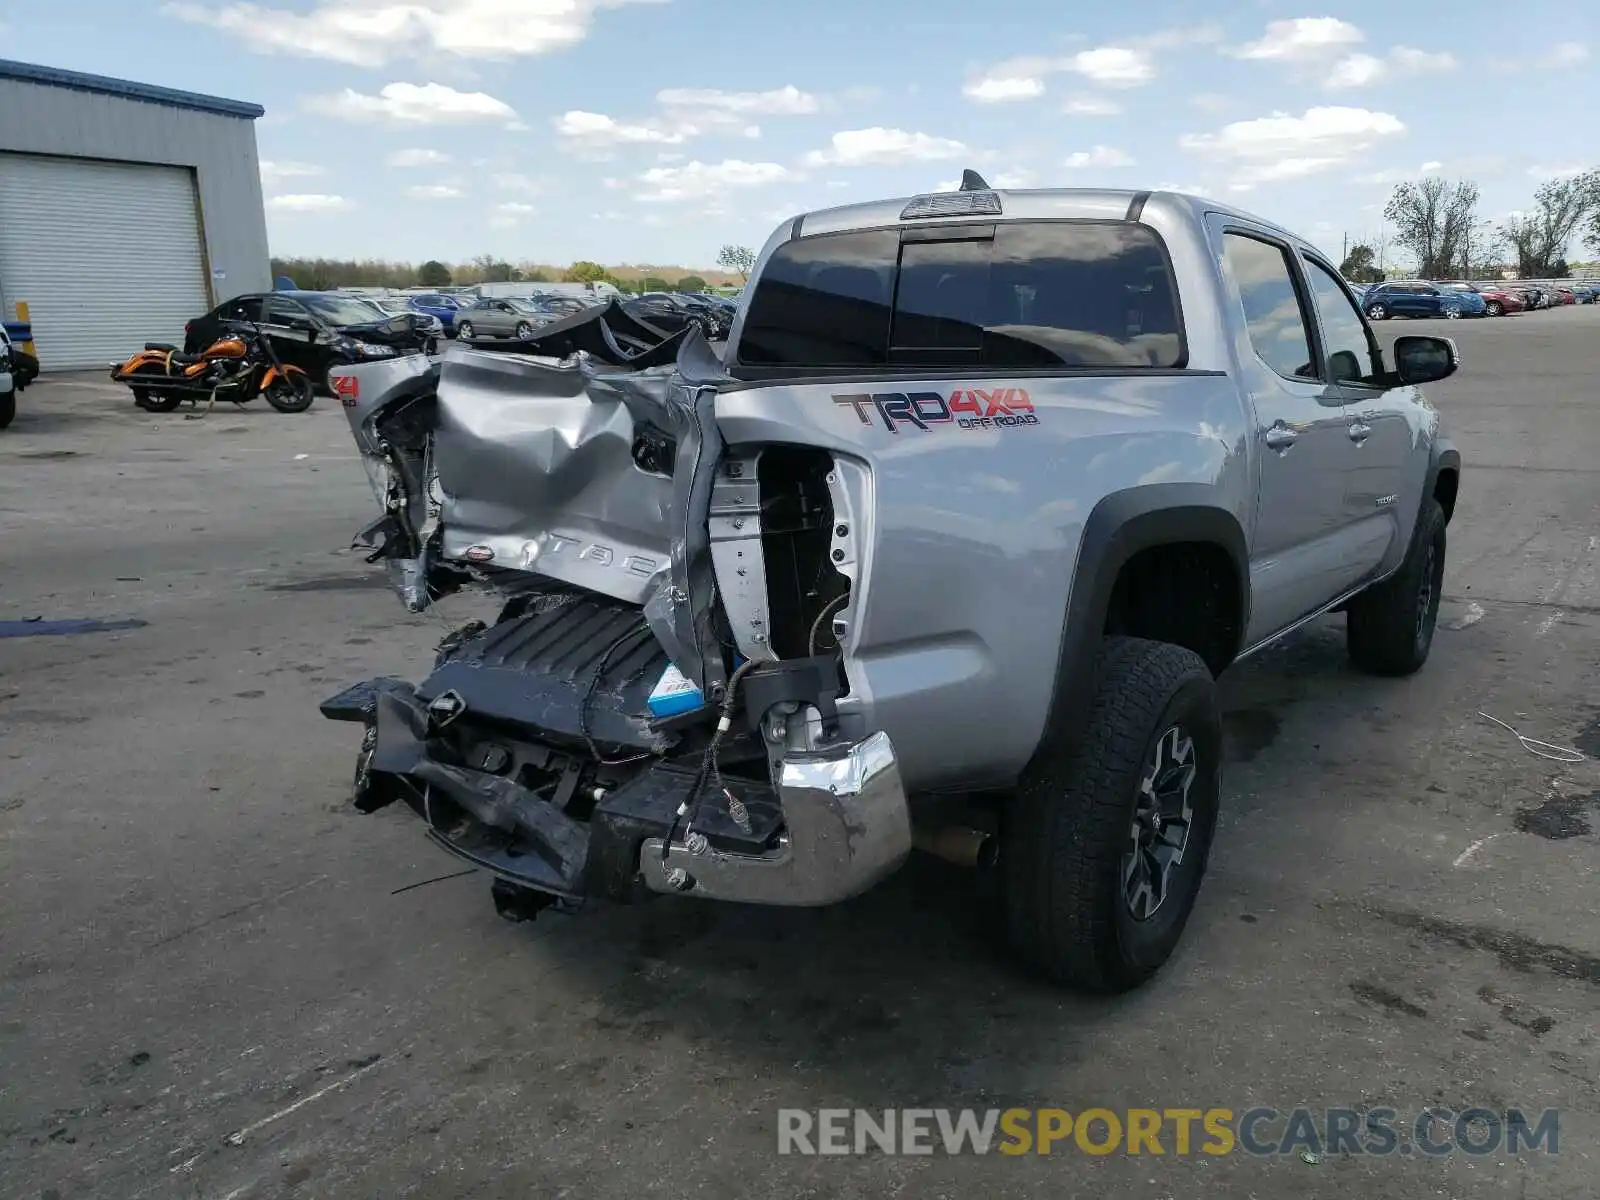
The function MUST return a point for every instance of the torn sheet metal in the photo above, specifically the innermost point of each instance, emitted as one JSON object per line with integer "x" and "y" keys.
{"x": 574, "y": 470}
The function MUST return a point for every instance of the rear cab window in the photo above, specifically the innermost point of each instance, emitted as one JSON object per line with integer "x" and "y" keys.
{"x": 1094, "y": 295}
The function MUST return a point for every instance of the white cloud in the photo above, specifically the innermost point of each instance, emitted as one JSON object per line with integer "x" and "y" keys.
{"x": 275, "y": 172}
{"x": 515, "y": 181}
{"x": 1568, "y": 54}
{"x": 1114, "y": 66}
{"x": 414, "y": 104}
{"x": 1193, "y": 189}
{"x": 435, "y": 191}
{"x": 509, "y": 215}
{"x": 307, "y": 203}
{"x": 1100, "y": 156}
{"x": 999, "y": 89}
{"x": 883, "y": 147}
{"x": 596, "y": 130}
{"x": 1556, "y": 172}
{"x": 1279, "y": 147}
{"x": 696, "y": 179}
{"x": 1091, "y": 106}
{"x": 1431, "y": 167}
{"x": 418, "y": 158}
{"x": 1359, "y": 70}
{"x": 371, "y": 33}
{"x": 1211, "y": 102}
{"x": 752, "y": 131}
{"x": 1392, "y": 176}
{"x": 787, "y": 101}
{"x": 1301, "y": 39}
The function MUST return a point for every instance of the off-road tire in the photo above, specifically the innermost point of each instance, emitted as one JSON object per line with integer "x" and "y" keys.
{"x": 8, "y": 407}
{"x": 1389, "y": 628}
{"x": 1067, "y": 828}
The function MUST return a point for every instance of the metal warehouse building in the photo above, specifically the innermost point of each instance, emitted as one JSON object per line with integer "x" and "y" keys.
{"x": 125, "y": 210}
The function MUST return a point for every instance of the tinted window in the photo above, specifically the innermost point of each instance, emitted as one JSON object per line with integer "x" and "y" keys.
{"x": 286, "y": 312}
{"x": 824, "y": 301}
{"x": 241, "y": 308}
{"x": 1272, "y": 310}
{"x": 1032, "y": 294}
{"x": 941, "y": 296}
{"x": 1344, "y": 334}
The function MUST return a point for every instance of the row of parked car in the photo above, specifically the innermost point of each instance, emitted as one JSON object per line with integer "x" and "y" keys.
{"x": 318, "y": 331}
{"x": 474, "y": 317}
{"x": 1455, "y": 298}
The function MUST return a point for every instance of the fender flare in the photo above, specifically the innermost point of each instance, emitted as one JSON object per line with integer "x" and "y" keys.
{"x": 1120, "y": 526}
{"x": 1443, "y": 457}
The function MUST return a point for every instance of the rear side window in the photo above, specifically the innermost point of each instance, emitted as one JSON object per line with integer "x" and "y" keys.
{"x": 1026, "y": 295}
{"x": 241, "y": 308}
{"x": 1272, "y": 312}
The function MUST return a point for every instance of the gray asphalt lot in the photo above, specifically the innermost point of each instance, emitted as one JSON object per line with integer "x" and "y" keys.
{"x": 209, "y": 987}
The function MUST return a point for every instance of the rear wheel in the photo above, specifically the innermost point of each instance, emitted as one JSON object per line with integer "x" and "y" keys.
{"x": 156, "y": 402}
{"x": 464, "y": 331}
{"x": 8, "y": 407}
{"x": 1452, "y": 313}
{"x": 1105, "y": 844}
{"x": 1377, "y": 312}
{"x": 524, "y": 331}
{"x": 1389, "y": 628}
{"x": 291, "y": 393}
{"x": 1495, "y": 309}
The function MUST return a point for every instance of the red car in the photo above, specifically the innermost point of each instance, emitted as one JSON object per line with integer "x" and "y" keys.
{"x": 1564, "y": 295}
{"x": 1497, "y": 302}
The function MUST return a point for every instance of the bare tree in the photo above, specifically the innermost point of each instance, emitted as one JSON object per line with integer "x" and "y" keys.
{"x": 737, "y": 258}
{"x": 1432, "y": 219}
{"x": 1559, "y": 207}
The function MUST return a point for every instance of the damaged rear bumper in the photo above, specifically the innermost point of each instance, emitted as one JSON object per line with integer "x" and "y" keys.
{"x": 847, "y": 826}
{"x": 835, "y": 825}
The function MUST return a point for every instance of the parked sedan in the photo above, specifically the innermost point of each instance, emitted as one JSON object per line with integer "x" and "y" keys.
{"x": 1473, "y": 303}
{"x": 1499, "y": 301}
{"x": 311, "y": 330}
{"x": 437, "y": 305}
{"x": 1418, "y": 298}
{"x": 501, "y": 317}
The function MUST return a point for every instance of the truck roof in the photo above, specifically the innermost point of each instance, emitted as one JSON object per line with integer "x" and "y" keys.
{"x": 1020, "y": 204}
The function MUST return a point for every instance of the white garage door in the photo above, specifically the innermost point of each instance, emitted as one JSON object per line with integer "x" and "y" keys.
{"x": 107, "y": 255}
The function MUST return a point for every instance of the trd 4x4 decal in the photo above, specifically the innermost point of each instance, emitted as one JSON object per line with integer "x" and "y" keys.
{"x": 966, "y": 408}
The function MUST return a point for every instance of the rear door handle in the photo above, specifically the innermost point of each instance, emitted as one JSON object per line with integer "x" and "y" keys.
{"x": 1360, "y": 431}
{"x": 1281, "y": 437}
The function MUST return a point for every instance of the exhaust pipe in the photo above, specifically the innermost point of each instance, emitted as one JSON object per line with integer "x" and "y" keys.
{"x": 957, "y": 844}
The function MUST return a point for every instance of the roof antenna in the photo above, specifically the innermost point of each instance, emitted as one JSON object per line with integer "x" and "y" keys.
{"x": 971, "y": 181}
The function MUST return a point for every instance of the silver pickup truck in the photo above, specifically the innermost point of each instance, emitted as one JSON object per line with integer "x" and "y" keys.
{"x": 943, "y": 549}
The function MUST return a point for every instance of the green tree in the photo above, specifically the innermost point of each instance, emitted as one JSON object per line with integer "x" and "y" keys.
{"x": 692, "y": 283}
{"x": 433, "y": 273}
{"x": 584, "y": 271}
{"x": 737, "y": 258}
{"x": 529, "y": 273}
{"x": 654, "y": 283}
{"x": 1360, "y": 265}
{"x": 1434, "y": 220}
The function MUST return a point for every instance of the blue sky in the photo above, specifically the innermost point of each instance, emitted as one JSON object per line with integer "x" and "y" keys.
{"x": 652, "y": 131}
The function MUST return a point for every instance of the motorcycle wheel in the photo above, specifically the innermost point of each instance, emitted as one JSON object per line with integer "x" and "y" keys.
{"x": 291, "y": 394}
{"x": 156, "y": 402}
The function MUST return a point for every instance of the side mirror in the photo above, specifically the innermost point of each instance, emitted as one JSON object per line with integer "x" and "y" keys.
{"x": 1419, "y": 359}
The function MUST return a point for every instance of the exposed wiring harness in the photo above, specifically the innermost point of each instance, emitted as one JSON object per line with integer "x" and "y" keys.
{"x": 828, "y": 609}
{"x": 631, "y": 634}
{"x": 711, "y": 768}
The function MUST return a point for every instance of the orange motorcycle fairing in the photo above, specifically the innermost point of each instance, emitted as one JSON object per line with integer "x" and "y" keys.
{"x": 145, "y": 358}
{"x": 228, "y": 347}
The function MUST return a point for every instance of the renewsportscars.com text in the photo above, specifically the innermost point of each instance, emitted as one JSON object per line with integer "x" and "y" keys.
{"x": 1259, "y": 1132}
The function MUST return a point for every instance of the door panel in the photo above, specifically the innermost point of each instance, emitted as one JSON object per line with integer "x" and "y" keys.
{"x": 1377, "y": 430}
{"x": 1301, "y": 550}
